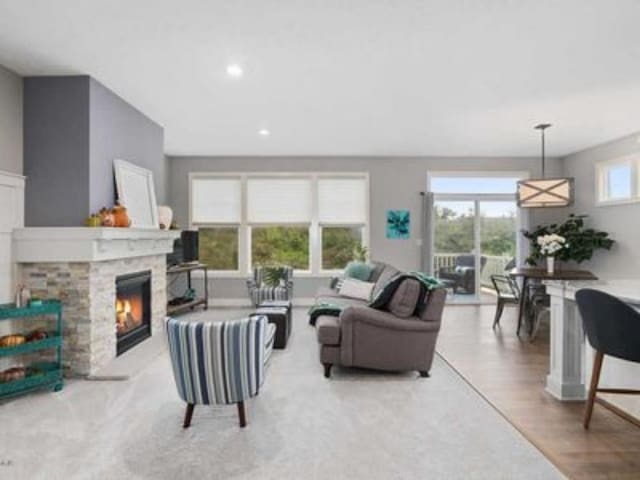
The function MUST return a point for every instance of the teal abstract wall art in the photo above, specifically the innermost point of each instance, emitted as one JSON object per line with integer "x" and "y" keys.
{"x": 398, "y": 224}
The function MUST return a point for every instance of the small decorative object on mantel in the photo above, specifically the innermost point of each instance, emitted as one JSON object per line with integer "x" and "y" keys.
{"x": 398, "y": 224}
{"x": 580, "y": 242}
{"x": 550, "y": 246}
{"x": 106, "y": 217}
{"x": 120, "y": 216}
{"x": 165, "y": 217}
{"x": 93, "y": 220}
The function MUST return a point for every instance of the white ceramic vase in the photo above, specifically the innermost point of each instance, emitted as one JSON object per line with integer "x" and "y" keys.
{"x": 551, "y": 265}
{"x": 165, "y": 216}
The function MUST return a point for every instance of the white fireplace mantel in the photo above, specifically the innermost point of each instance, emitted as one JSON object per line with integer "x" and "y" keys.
{"x": 88, "y": 244}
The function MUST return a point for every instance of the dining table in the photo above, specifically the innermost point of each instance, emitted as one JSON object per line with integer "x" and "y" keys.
{"x": 541, "y": 274}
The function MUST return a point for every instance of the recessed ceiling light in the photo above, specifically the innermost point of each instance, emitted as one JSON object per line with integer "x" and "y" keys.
{"x": 234, "y": 70}
{"x": 264, "y": 132}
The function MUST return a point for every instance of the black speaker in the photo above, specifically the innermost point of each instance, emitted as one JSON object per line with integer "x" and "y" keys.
{"x": 189, "y": 246}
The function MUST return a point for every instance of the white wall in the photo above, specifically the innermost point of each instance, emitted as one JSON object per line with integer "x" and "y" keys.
{"x": 11, "y": 184}
{"x": 10, "y": 121}
{"x": 621, "y": 221}
{"x": 395, "y": 183}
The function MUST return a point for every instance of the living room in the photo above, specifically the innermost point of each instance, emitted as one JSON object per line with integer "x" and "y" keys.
{"x": 296, "y": 240}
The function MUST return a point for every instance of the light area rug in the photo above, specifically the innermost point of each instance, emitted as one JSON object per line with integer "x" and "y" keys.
{"x": 357, "y": 425}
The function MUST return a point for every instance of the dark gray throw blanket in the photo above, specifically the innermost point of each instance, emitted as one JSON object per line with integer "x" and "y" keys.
{"x": 384, "y": 296}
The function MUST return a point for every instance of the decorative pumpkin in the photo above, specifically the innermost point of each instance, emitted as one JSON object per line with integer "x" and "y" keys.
{"x": 15, "y": 373}
{"x": 120, "y": 216}
{"x": 12, "y": 340}
{"x": 106, "y": 217}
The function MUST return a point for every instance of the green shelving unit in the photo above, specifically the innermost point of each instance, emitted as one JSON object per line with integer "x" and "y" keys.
{"x": 39, "y": 374}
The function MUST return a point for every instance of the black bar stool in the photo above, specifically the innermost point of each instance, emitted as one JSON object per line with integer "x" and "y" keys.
{"x": 612, "y": 328}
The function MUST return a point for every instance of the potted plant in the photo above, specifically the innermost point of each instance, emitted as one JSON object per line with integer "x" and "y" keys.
{"x": 550, "y": 246}
{"x": 580, "y": 242}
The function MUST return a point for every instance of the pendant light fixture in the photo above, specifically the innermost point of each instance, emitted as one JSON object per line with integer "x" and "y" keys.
{"x": 545, "y": 192}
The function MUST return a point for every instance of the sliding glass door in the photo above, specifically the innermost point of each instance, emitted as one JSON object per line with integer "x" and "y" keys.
{"x": 454, "y": 246}
{"x": 474, "y": 233}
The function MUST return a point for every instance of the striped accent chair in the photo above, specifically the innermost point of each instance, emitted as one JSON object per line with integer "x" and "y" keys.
{"x": 219, "y": 362}
{"x": 259, "y": 291}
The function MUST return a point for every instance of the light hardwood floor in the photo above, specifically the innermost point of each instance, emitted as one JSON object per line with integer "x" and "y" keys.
{"x": 510, "y": 374}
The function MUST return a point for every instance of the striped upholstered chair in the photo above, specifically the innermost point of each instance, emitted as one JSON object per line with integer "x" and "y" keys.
{"x": 259, "y": 291}
{"x": 219, "y": 362}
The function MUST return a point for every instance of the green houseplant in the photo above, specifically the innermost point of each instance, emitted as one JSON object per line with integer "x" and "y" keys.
{"x": 581, "y": 242}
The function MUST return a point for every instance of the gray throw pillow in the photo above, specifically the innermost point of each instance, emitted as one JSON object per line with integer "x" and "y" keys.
{"x": 405, "y": 299}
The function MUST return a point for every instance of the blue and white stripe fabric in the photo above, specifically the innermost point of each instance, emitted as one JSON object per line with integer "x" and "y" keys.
{"x": 259, "y": 292}
{"x": 219, "y": 362}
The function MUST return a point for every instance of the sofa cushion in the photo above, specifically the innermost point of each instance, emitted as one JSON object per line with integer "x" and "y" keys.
{"x": 353, "y": 288}
{"x": 328, "y": 330}
{"x": 358, "y": 270}
{"x": 385, "y": 276}
{"x": 378, "y": 268}
{"x": 405, "y": 299}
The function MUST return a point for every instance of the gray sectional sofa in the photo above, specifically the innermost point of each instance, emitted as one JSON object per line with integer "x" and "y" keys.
{"x": 394, "y": 339}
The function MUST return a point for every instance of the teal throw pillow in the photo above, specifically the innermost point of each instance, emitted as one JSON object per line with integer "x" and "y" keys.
{"x": 358, "y": 270}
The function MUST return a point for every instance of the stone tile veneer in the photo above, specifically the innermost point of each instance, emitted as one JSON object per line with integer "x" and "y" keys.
{"x": 88, "y": 294}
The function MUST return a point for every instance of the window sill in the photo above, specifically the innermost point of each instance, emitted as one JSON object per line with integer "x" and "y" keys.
{"x": 611, "y": 203}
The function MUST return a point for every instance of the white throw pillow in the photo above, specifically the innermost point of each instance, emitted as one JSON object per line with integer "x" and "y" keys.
{"x": 353, "y": 288}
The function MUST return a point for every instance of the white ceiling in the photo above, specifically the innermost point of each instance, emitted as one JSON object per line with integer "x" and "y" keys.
{"x": 350, "y": 77}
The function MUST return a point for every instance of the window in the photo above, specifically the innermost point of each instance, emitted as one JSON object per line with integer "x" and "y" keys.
{"x": 216, "y": 209}
{"x": 617, "y": 180}
{"x": 342, "y": 214}
{"x": 219, "y": 247}
{"x": 284, "y": 245}
{"x": 338, "y": 245}
{"x": 313, "y": 222}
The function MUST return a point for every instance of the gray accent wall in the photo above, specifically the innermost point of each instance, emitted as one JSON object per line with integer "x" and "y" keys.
{"x": 118, "y": 130}
{"x": 621, "y": 221}
{"x": 74, "y": 128}
{"x": 395, "y": 183}
{"x": 56, "y": 150}
{"x": 10, "y": 121}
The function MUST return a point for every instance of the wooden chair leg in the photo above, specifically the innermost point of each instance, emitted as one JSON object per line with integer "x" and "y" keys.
{"x": 187, "y": 415}
{"x": 241, "y": 415}
{"x": 327, "y": 370}
{"x": 595, "y": 378}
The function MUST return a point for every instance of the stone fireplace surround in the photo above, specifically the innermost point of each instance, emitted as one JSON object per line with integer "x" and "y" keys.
{"x": 80, "y": 266}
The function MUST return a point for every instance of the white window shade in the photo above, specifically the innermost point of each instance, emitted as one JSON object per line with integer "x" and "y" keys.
{"x": 279, "y": 200}
{"x": 215, "y": 200}
{"x": 342, "y": 200}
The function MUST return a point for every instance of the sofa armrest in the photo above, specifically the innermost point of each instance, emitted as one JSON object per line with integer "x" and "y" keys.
{"x": 378, "y": 318}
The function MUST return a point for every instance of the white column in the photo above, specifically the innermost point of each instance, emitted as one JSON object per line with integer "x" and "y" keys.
{"x": 566, "y": 374}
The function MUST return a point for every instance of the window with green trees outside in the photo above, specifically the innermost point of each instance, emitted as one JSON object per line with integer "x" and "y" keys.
{"x": 338, "y": 245}
{"x": 219, "y": 247}
{"x": 280, "y": 245}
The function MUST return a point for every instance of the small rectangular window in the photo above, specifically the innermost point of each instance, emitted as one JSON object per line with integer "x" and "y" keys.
{"x": 219, "y": 248}
{"x": 617, "y": 180}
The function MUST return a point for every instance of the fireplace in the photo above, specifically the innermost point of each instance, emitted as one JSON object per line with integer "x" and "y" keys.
{"x": 133, "y": 309}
